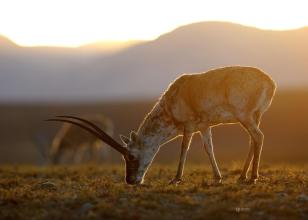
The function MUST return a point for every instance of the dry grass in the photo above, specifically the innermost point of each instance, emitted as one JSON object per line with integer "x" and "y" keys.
{"x": 92, "y": 192}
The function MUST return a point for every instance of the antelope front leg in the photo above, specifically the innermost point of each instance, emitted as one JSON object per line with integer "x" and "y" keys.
{"x": 184, "y": 149}
{"x": 208, "y": 145}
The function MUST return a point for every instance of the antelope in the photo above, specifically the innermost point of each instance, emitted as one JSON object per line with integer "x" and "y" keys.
{"x": 194, "y": 103}
{"x": 71, "y": 144}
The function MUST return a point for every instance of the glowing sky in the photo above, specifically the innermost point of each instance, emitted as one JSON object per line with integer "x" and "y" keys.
{"x": 76, "y": 22}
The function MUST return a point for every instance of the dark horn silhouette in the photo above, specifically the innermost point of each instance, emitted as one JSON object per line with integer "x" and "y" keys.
{"x": 97, "y": 131}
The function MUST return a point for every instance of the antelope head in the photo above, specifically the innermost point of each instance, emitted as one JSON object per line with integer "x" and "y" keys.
{"x": 129, "y": 151}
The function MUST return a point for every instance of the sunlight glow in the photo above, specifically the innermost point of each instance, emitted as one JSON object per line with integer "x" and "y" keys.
{"x": 76, "y": 22}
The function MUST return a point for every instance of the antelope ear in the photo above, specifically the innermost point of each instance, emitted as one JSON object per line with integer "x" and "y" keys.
{"x": 124, "y": 139}
{"x": 133, "y": 136}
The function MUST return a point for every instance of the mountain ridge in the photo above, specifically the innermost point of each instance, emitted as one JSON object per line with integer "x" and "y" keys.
{"x": 145, "y": 70}
{"x": 5, "y": 41}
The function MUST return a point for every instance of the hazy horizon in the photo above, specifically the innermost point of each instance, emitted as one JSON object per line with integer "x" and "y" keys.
{"x": 144, "y": 69}
{"x": 59, "y": 23}
{"x": 128, "y": 42}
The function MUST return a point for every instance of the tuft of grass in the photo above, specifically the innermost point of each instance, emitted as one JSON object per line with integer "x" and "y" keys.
{"x": 99, "y": 192}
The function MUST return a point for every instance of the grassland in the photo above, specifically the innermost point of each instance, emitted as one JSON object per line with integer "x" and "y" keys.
{"x": 98, "y": 192}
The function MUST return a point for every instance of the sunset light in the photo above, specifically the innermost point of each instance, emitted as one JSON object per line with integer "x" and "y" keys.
{"x": 77, "y": 22}
{"x": 153, "y": 109}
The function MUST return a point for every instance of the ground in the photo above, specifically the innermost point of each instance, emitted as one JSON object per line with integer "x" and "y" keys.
{"x": 99, "y": 192}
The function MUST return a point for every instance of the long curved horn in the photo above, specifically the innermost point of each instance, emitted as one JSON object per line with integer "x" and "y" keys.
{"x": 97, "y": 132}
{"x": 88, "y": 123}
{"x": 107, "y": 138}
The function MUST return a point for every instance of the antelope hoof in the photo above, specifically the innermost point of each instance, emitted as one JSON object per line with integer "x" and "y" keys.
{"x": 217, "y": 181}
{"x": 253, "y": 181}
{"x": 175, "y": 181}
{"x": 242, "y": 179}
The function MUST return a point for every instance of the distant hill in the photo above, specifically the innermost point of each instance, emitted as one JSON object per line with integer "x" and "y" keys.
{"x": 45, "y": 73}
{"x": 109, "y": 46}
{"x": 144, "y": 70}
{"x": 5, "y": 42}
{"x": 148, "y": 68}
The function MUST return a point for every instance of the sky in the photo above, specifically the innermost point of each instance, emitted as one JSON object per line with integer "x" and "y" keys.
{"x": 76, "y": 22}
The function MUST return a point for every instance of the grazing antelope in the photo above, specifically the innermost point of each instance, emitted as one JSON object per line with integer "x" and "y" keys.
{"x": 195, "y": 103}
{"x": 73, "y": 145}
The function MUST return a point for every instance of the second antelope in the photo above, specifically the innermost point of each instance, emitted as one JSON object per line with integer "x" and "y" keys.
{"x": 73, "y": 145}
{"x": 194, "y": 103}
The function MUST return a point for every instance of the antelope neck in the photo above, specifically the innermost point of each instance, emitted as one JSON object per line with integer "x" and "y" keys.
{"x": 156, "y": 129}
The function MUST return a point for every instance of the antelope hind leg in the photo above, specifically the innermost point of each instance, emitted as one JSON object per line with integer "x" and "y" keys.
{"x": 244, "y": 178}
{"x": 208, "y": 146}
{"x": 257, "y": 142}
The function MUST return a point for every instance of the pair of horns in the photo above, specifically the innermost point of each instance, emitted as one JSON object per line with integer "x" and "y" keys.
{"x": 93, "y": 129}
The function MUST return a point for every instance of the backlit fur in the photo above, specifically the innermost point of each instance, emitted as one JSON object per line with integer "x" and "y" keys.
{"x": 197, "y": 102}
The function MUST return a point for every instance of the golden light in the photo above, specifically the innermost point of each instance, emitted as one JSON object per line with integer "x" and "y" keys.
{"x": 76, "y": 22}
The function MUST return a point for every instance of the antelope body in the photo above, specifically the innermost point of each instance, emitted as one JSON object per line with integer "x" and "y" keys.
{"x": 194, "y": 103}
{"x": 72, "y": 145}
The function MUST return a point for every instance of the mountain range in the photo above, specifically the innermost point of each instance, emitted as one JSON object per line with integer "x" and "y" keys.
{"x": 144, "y": 69}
